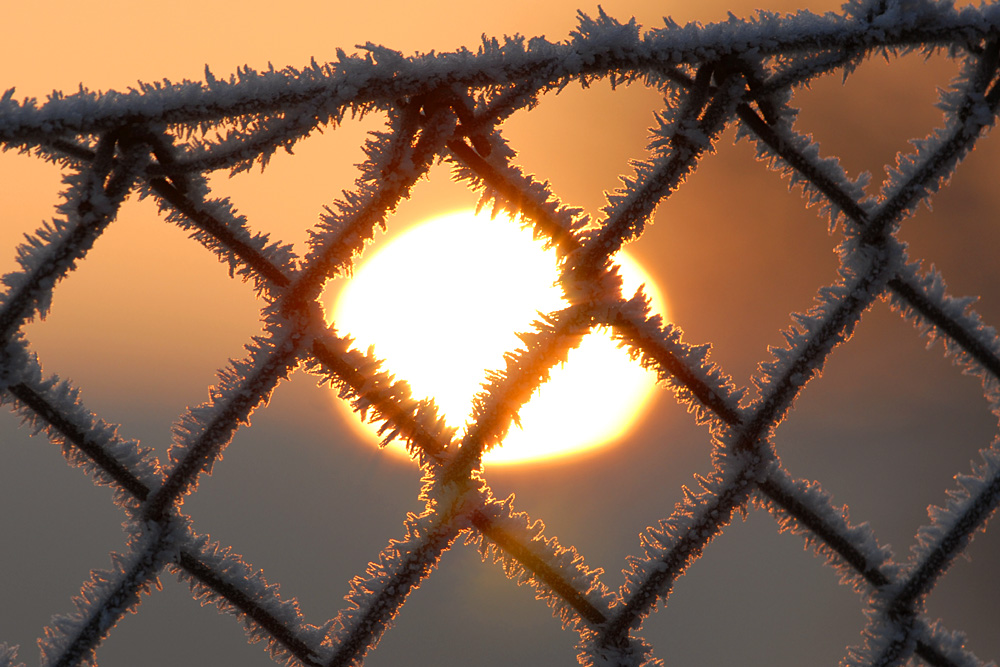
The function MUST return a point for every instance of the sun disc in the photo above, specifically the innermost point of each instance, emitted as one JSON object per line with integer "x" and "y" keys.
{"x": 443, "y": 301}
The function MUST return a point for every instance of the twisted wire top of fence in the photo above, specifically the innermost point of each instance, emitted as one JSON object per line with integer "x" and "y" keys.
{"x": 160, "y": 141}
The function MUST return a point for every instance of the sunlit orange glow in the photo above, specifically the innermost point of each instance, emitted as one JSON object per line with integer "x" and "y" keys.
{"x": 443, "y": 301}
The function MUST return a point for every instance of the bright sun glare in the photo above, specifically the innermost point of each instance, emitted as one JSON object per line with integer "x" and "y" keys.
{"x": 443, "y": 301}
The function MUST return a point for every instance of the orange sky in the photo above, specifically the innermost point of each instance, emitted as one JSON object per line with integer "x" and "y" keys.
{"x": 113, "y": 45}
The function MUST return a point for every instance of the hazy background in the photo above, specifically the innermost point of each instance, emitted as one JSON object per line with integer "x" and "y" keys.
{"x": 149, "y": 316}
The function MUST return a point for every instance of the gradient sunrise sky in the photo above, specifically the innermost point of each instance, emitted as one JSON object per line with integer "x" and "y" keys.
{"x": 149, "y": 317}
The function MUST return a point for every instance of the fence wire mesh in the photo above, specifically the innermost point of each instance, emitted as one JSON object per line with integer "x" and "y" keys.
{"x": 162, "y": 140}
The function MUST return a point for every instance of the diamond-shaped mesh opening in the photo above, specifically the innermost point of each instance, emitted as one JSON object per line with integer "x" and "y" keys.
{"x": 468, "y": 612}
{"x": 199, "y": 636}
{"x": 448, "y": 113}
{"x": 737, "y": 299}
{"x": 570, "y": 127}
{"x": 768, "y": 597}
{"x": 833, "y": 110}
{"x": 133, "y": 317}
{"x": 600, "y": 504}
{"x": 893, "y": 431}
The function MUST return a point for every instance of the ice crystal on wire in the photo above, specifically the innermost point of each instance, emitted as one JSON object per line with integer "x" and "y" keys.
{"x": 8, "y": 655}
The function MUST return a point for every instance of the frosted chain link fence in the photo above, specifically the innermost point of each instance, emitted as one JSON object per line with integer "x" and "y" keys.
{"x": 161, "y": 140}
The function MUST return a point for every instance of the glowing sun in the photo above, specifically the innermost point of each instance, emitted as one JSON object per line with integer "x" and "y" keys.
{"x": 443, "y": 301}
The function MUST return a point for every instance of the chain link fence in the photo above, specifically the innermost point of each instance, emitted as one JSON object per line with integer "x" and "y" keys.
{"x": 162, "y": 141}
